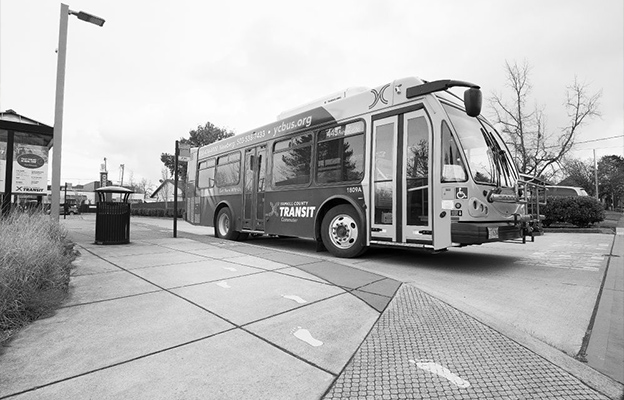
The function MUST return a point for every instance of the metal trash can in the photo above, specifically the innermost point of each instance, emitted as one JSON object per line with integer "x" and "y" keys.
{"x": 112, "y": 218}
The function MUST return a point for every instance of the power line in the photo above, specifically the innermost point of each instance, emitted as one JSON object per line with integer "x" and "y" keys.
{"x": 596, "y": 140}
{"x": 596, "y": 148}
{"x": 575, "y": 143}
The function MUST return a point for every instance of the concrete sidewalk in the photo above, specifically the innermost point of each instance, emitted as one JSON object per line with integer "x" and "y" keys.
{"x": 180, "y": 318}
{"x": 605, "y": 344}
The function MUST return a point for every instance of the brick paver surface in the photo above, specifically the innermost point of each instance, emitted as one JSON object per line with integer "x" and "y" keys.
{"x": 423, "y": 348}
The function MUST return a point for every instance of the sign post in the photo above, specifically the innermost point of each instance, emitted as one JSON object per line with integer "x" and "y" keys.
{"x": 182, "y": 153}
{"x": 65, "y": 203}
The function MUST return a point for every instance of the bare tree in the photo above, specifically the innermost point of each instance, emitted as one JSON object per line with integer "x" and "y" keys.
{"x": 536, "y": 150}
{"x": 145, "y": 186}
{"x": 165, "y": 190}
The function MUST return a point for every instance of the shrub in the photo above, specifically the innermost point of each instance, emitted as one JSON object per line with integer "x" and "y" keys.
{"x": 156, "y": 212}
{"x": 581, "y": 211}
{"x": 35, "y": 264}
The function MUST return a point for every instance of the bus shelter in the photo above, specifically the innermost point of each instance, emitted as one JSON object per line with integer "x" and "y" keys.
{"x": 24, "y": 147}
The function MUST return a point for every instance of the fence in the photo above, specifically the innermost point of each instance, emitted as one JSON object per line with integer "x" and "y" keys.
{"x": 158, "y": 209}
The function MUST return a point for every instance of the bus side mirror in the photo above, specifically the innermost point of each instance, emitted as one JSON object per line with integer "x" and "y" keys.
{"x": 472, "y": 101}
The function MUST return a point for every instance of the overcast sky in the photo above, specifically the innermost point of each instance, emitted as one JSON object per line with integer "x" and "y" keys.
{"x": 158, "y": 69}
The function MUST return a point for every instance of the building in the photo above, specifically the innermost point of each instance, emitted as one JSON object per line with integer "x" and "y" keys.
{"x": 165, "y": 191}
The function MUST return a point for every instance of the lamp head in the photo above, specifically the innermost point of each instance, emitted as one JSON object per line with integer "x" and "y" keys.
{"x": 88, "y": 17}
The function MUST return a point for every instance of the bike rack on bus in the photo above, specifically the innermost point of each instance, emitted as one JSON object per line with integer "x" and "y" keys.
{"x": 530, "y": 191}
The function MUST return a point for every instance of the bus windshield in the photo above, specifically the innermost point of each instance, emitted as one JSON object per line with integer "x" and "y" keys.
{"x": 486, "y": 153}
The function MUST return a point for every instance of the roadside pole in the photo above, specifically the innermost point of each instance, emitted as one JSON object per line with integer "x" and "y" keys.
{"x": 175, "y": 190}
{"x": 65, "y": 203}
{"x": 182, "y": 154}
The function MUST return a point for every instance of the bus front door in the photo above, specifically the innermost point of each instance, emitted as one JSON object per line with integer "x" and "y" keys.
{"x": 253, "y": 189}
{"x": 416, "y": 168}
{"x": 403, "y": 169}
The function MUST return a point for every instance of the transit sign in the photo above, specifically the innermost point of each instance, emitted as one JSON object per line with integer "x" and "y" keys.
{"x": 184, "y": 152}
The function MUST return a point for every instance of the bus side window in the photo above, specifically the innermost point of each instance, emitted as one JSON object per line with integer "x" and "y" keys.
{"x": 228, "y": 170}
{"x": 340, "y": 158}
{"x": 292, "y": 161}
{"x": 453, "y": 169}
{"x": 206, "y": 174}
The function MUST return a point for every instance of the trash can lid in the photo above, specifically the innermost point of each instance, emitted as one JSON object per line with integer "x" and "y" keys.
{"x": 114, "y": 189}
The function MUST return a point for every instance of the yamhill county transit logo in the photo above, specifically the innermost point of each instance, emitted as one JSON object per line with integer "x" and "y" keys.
{"x": 291, "y": 211}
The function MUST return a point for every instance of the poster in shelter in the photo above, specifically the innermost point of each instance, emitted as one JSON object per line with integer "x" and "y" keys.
{"x": 30, "y": 169}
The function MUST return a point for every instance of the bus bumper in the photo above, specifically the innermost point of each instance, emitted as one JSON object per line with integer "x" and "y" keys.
{"x": 466, "y": 233}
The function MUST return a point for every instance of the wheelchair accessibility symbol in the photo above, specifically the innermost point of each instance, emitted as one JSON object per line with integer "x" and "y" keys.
{"x": 461, "y": 193}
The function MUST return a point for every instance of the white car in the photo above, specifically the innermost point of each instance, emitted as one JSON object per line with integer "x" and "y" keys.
{"x": 565, "y": 191}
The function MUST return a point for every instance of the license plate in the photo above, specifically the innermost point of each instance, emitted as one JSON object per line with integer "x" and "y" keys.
{"x": 493, "y": 232}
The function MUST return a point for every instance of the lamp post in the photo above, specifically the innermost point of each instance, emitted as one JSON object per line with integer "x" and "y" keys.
{"x": 58, "y": 106}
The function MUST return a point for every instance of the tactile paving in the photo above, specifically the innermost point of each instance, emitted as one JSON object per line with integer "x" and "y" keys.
{"x": 422, "y": 348}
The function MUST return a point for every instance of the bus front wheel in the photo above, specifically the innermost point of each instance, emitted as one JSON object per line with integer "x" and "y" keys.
{"x": 342, "y": 232}
{"x": 224, "y": 228}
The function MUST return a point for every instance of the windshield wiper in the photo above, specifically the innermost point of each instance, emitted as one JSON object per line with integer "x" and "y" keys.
{"x": 495, "y": 154}
{"x": 499, "y": 155}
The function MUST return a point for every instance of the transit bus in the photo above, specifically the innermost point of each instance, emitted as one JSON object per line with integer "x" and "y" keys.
{"x": 407, "y": 163}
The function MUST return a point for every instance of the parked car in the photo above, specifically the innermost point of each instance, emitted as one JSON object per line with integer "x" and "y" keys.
{"x": 565, "y": 191}
{"x": 72, "y": 209}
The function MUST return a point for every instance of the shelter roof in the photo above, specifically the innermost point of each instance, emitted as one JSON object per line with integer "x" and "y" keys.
{"x": 41, "y": 134}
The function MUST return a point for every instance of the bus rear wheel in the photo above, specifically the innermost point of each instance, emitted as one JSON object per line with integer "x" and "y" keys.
{"x": 342, "y": 232}
{"x": 224, "y": 228}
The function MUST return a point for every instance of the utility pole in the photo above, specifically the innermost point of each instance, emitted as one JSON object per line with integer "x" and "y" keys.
{"x": 122, "y": 168}
{"x": 596, "y": 175}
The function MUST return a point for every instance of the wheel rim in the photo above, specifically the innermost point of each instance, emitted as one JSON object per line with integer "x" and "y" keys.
{"x": 224, "y": 224}
{"x": 343, "y": 231}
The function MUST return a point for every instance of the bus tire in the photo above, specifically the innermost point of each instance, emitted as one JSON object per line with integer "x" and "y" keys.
{"x": 224, "y": 226}
{"x": 342, "y": 232}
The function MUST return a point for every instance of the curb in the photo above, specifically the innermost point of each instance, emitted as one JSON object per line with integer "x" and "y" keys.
{"x": 607, "y": 231}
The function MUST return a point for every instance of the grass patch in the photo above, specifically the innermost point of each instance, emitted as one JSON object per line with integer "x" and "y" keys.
{"x": 35, "y": 265}
{"x": 612, "y": 220}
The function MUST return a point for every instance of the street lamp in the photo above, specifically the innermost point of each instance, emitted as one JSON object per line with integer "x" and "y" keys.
{"x": 88, "y": 17}
{"x": 58, "y": 107}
